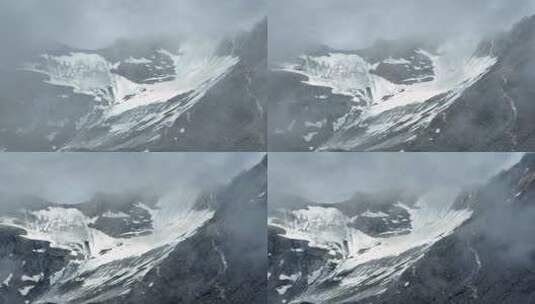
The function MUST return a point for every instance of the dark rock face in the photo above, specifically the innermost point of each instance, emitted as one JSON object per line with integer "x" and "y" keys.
{"x": 494, "y": 114}
{"x": 145, "y": 61}
{"x": 120, "y": 215}
{"x": 26, "y": 266}
{"x": 490, "y": 259}
{"x": 378, "y": 215}
{"x": 401, "y": 62}
{"x": 34, "y": 110}
{"x": 232, "y": 115}
{"x": 288, "y": 257}
{"x": 225, "y": 262}
{"x": 296, "y": 109}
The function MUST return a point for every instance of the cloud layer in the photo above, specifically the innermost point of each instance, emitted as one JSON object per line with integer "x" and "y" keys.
{"x": 96, "y": 23}
{"x": 75, "y": 177}
{"x": 348, "y": 24}
{"x": 332, "y": 177}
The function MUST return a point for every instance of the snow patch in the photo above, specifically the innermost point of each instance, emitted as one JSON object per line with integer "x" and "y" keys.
{"x": 35, "y": 278}
{"x": 374, "y": 214}
{"x": 110, "y": 214}
{"x": 7, "y": 280}
{"x": 292, "y": 277}
{"x": 283, "y": 289}
{"x": 141, "y": 60}
{"x": 396, "y": 61}
{"x": 309, "y": 136}
{"x": 24, "y": 291}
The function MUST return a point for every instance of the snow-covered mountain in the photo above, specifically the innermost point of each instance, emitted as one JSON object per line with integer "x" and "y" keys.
{"x": 450, "y": 246}
{"x": 148, "y": 94}
{"x": 349, "y": 251}
{"x": 489, "y": 259}
{"x": 409, "y": 94}
{"x": 136, "y": 248}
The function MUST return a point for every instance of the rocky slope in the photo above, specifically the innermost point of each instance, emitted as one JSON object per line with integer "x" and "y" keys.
{"x": 158, "y": 93}
{"x": 490, "y": 259}
{"x": 137, "y": 248}
{"x": 342, "y": 252}
{"x": 453, "y": 247}
{"x": 411, "y": 95}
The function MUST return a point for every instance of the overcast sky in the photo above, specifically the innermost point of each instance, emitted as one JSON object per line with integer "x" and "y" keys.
{"x": 75, "y": 177}
{"x": 332, "y": 177}
{"x": 96, "y": 23}
{"x": 350, "y": 24}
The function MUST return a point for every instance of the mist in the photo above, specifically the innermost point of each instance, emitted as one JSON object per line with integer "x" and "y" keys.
{"x": 346, "y": 24}
{"x": 27, "y": 24}
{"x": 75, "y": 177}
{"x": 333, "y": 177}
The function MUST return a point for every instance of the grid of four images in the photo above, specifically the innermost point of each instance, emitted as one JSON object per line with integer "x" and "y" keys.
{"x": 267, "y": 151}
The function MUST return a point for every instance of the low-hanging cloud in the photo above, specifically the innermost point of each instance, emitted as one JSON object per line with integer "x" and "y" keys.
{"x": 97, "y": 23}
{"x": 348, "y": 24}
{"x": 332, "y": 177}
{"x": 76, "y": 177}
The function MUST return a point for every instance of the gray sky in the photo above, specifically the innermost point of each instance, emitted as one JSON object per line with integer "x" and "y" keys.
{"x": 332, "y": 177}
{"x": 350, "y": 24}
{"x": 75, "y": 177}
{"x": 95, "y": 23}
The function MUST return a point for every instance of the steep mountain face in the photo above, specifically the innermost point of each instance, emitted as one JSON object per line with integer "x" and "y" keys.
{"x": 454, "y": 247}
{"x": 496, "y": 110}
{"x": 490, "y": 259}
{"x": 137, "y": 248}
{"x": 408, "y": 95}
{"x": 225, "y": 262}
{"x": 348, "y": 251}
{"x": 152, "y": 94}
